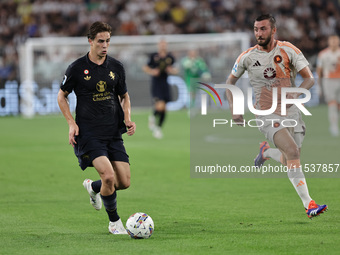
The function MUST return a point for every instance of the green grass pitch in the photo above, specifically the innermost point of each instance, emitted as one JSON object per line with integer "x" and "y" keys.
{"x": 46, "y": 210}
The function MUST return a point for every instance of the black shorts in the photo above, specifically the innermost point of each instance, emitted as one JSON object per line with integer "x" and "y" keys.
{"x": 161, "y": 92}
{"x": 88, "y": 149}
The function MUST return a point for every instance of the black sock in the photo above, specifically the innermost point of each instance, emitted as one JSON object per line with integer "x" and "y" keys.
{"x": 96, "y": 185}
{"x": 110, "y": 204}
{"x": 157, "y": 115}
{"x": 161, "y": 118}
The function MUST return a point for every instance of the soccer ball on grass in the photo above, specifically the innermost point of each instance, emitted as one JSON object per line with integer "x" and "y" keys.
{"x": 139, "y": 226}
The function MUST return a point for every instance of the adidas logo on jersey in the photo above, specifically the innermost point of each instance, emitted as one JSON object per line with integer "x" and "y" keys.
{"x": 257, "y": 63}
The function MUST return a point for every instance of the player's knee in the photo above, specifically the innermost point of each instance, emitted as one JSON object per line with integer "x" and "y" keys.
{"x": 293, "y": 152}
{"x": 159, "y": 109}
{"x": 108, "y": 180}
{"x": 160, "y": 106}
{"x": 124, "y": 184}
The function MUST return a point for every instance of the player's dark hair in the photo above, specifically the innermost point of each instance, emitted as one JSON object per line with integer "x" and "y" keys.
{"x": 98, "y": 27}
{"x": 267, "y": 17}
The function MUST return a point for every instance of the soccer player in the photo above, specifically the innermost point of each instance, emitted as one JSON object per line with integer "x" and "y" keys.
{"x": 102, "y": 116}
{"x": 159, "y": 66}
{"x": 273, "y": 63}
{"x": 194, "y": 67}
{"x": 328, "y": 69}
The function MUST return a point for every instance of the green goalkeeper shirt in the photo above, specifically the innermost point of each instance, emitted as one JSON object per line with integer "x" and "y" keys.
{"x": 193, "y": 68}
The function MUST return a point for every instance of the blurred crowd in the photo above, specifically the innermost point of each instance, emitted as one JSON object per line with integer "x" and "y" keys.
{"x": 305, "y": 23}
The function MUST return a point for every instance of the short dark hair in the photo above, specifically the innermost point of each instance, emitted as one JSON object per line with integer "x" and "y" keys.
{"x": 269, "y": 17}
{"x": 98, "y": 27}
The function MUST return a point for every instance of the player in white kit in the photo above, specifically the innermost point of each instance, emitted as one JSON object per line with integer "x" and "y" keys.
{"x": 328, "y": 69}
{"x": 274, "y": 64}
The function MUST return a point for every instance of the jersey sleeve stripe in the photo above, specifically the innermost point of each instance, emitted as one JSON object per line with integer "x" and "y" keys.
{"x": 288, "y": 44}
{"x": 244, "y": 52}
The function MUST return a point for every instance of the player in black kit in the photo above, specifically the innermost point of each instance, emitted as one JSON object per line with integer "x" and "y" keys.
{"x": 159, "y": 66}
{"x": 103, "y": 114}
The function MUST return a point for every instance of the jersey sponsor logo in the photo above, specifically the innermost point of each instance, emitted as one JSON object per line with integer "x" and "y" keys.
{"x": 257, "y": 63}
{"x": 87, "y": 78}
{"x": 101, "y": 86}
{"x": 103, "y": 94}
{"x": 269, "y": 73}
{"x": 277, "y": 59}
{"x": 112, "y": 75}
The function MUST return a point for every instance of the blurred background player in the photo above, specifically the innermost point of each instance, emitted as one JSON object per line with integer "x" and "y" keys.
{"x": 159, "y": 66}
{"x": 102, "y": 116}
{"x": 328, "y": 69}
{"x": 272, "y": 63}
{"x": 194, "y": 67}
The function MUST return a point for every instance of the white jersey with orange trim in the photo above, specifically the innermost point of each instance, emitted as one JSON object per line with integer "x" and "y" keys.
{"x": 329, "y": 61}
{"x": 277, "y": 68}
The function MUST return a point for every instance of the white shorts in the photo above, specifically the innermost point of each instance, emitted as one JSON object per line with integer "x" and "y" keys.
{"x": 293, "y": 122}
{"x": 331, "y": 89}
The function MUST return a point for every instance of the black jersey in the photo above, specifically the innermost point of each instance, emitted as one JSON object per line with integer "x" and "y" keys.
{"x": 97, "y": 87}
{"x": 159, "y": 85}
{"x": 156, "y": 61}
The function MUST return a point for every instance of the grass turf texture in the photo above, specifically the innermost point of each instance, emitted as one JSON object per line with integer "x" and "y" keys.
{"x": 46, "y": 210}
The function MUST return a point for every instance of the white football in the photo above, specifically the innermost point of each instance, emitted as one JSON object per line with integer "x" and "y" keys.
{"x": 139, "y": 225}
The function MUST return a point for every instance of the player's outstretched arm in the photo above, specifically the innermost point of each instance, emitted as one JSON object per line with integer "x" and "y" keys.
{"x": 151, "y": 71}
{"x": 308, "y": 81}
{"x": 65, "y": 109}
{"x": 308, "y": 78}
{"x": 172, "y": 70}
{"x": 126, "y": 105}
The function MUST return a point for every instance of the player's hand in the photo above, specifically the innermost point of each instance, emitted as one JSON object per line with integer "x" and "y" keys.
{"x": 131, "y": 126}
{"x": 155, "y": 72}
{"x": 171, "y": 70}
{"x": 72, "y": 133}
{"x": 238, "y": 119}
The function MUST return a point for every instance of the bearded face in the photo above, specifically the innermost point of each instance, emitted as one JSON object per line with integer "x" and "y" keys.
{"x": 263, "y": 32}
